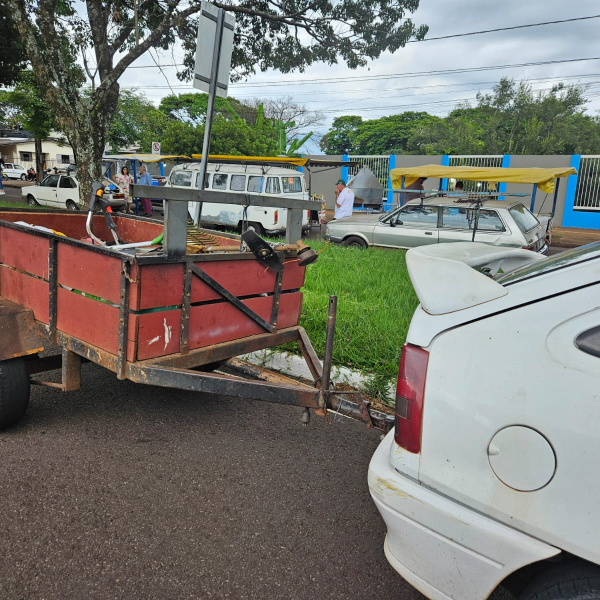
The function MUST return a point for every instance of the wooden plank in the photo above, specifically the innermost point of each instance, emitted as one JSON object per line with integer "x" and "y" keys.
{"x": 161, "y": 285}
{"x": 89, "y": 272}
{"x": 221, "y": 322}
{"x": 158, "y": 333}
{"x": 25, "y": 290}
{"x": 24, "y": 251}
{"x": 91, "y": 321}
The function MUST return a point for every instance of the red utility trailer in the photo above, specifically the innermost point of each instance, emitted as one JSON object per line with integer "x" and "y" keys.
{"x": 152, "y": 318}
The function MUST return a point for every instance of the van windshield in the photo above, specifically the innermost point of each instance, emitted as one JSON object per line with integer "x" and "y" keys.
{"x": 558, "y": 261}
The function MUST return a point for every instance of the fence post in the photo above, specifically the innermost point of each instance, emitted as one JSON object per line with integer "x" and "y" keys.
{"x": 390, "y": 194}
{"x": 505, "y": 165}
{"x": 445, "y": 163}
{"x": 570, "y": 195}
{"x": 345, "y": 158}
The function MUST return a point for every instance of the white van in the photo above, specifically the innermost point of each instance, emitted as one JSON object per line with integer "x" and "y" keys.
{"x": 243, "y": 179}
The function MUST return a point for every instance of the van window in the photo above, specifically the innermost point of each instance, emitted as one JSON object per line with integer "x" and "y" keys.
{"x": 238, "y": 183}
{"x": 206, "y": 180}
{"x": 255, "y": 184}
{"x": 273, "y": 186}
{"x": 219, "y": 181}
{"x": 291, "y": 185}
{"x": 181, "y": 178}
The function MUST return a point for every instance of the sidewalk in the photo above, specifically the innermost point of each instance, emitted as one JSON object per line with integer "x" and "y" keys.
{"x": 16, "y": 183}
{"x": 571, "y": 237}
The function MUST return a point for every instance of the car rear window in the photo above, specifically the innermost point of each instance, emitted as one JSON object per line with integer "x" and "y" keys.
{"x": 462, "y": 217}
{"x": 558, "y": 261}
{"x": 523, "y": 218}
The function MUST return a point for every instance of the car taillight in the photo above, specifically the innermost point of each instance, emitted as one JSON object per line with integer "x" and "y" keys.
{"x": 409, "y": 397}
{"x": 276, "y": 217}
{"x": 530, "y": 247}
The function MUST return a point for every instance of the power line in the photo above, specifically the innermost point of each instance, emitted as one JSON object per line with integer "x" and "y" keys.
{"x": 456, "y": 35}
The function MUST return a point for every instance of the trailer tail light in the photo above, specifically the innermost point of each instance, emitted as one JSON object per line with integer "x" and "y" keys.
{"x": 276, "y": 217}
{"x": 409, "y": 397}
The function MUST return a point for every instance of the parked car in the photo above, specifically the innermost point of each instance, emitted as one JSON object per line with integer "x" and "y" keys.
{"x": 501, "y": 223}
{"x": 62, "y": 191}
{"x": 490, "y": 476}
{"x": 14, "y": 171}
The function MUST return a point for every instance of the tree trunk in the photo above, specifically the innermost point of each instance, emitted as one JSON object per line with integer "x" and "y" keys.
{"x": 86, "y": 127}
{"x": 39, "y": 158}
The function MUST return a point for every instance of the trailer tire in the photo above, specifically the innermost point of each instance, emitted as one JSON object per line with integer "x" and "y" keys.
{"x": 14, "y": 391}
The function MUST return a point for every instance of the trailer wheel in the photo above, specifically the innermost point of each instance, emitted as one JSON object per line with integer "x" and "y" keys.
{"x": 354, "y": 242}
{"x": 14, "y": 391}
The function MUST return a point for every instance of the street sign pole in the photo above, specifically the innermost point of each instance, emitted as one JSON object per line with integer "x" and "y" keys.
{"x": 212, "y": 94}
{"x": 214, "y": 48}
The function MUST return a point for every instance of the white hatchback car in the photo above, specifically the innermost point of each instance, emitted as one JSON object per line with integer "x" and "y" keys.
{"x": 62, "y": 191}
{"x": 491, "y": 475}
{"x": 14, "y": 171}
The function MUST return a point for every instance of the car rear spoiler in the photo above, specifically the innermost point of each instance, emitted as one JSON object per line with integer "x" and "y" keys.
{"x": 452, "y": 277}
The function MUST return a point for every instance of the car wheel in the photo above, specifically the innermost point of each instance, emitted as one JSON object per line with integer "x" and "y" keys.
{"x": 578, "y": 581}
{"x": 71, "y": 205}
{"x": 23, "y": 177}
{"x": 4, "y": 177}
{"x": 14, "y": 391}
{"x": 256, "y": 227}
{"x": 31, "y": 200}
{"x": 354, "y": 242}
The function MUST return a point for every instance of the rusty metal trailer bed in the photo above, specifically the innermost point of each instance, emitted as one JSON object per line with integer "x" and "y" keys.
{"x": 158, "y": 318}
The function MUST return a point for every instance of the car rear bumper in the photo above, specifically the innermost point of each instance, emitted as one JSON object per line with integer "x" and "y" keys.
{"x": 442, "y": 548}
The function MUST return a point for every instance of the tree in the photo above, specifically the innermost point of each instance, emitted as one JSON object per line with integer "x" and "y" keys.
{"x": 12, "y": 53}
{"x": 28, "y": 111}
{"x": 514, "y": 119}
{"x": 192, "y": 107}
{"x": 286, "y": 36}
{"x": 387, "y": 135}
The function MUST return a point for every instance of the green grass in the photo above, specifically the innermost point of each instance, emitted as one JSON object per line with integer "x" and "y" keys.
{"x": 9, "y": 204}
{"x": 376, "y": 302}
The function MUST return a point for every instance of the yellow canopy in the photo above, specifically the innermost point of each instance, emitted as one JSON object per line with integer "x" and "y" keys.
{"x": 297, "y": 162}
{"x": 544, "y": 178}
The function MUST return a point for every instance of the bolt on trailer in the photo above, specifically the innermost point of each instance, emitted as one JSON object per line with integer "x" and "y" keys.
{"x": 174, "y": 314}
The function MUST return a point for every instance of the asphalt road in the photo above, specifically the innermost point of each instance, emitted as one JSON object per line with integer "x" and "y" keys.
{"x": 126, "y": 491}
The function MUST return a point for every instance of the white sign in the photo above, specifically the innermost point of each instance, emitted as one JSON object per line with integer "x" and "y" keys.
{"x": 205, "y": 48}
{"x": 155, "y": 147}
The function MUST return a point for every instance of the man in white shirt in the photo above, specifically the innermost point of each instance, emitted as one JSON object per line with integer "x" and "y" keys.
{"x": 344, "y": 200}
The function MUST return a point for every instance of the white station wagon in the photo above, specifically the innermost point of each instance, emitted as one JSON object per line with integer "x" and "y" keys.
{"x": 491, "y": 474}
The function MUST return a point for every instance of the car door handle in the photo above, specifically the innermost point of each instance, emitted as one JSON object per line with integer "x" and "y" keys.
{"x": 429, "y": 233}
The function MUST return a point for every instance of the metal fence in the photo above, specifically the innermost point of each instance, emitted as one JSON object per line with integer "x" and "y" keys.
{"x": 380, "y": 165}
{"x": 494, "y": 160}
{"x": 587, "y": 193}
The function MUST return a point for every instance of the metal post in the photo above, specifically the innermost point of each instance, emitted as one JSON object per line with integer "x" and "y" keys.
{"x": 293, "y": 231}
{"x": 325, "y": 380}
{"x": 402, "y": 193}
{"x": 135, "y": 181}
{"x": 531, "y": 207}
{"x": 555, "y": 196}
{"x": 212, "y": 93}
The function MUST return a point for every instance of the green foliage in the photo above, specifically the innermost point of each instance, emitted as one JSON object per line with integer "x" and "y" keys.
{"x": 192, "y": 107}
{"x": 136, "y": 121}
{"x": 23, "y": 107}
{"x": 12, "y": 54}
{"x": 234, "y": 137}
{"x": 515, "y": 120}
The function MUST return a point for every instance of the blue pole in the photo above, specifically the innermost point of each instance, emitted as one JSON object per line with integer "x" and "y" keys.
{"x": 390, "y": 194}
{"x": 345, "y": 169}
{"x": 162, "y": 169}
{"x": 533, "y": 197}
{"x": 505, "y": 165}
{"x": 569, "y": 217}
{"x": 445, "y": 163}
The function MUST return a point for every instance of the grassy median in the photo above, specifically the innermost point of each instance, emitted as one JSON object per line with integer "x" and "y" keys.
{"x": 376, "y": 302}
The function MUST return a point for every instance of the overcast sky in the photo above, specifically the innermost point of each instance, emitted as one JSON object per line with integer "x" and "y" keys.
{"x": 376, "y": 98}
